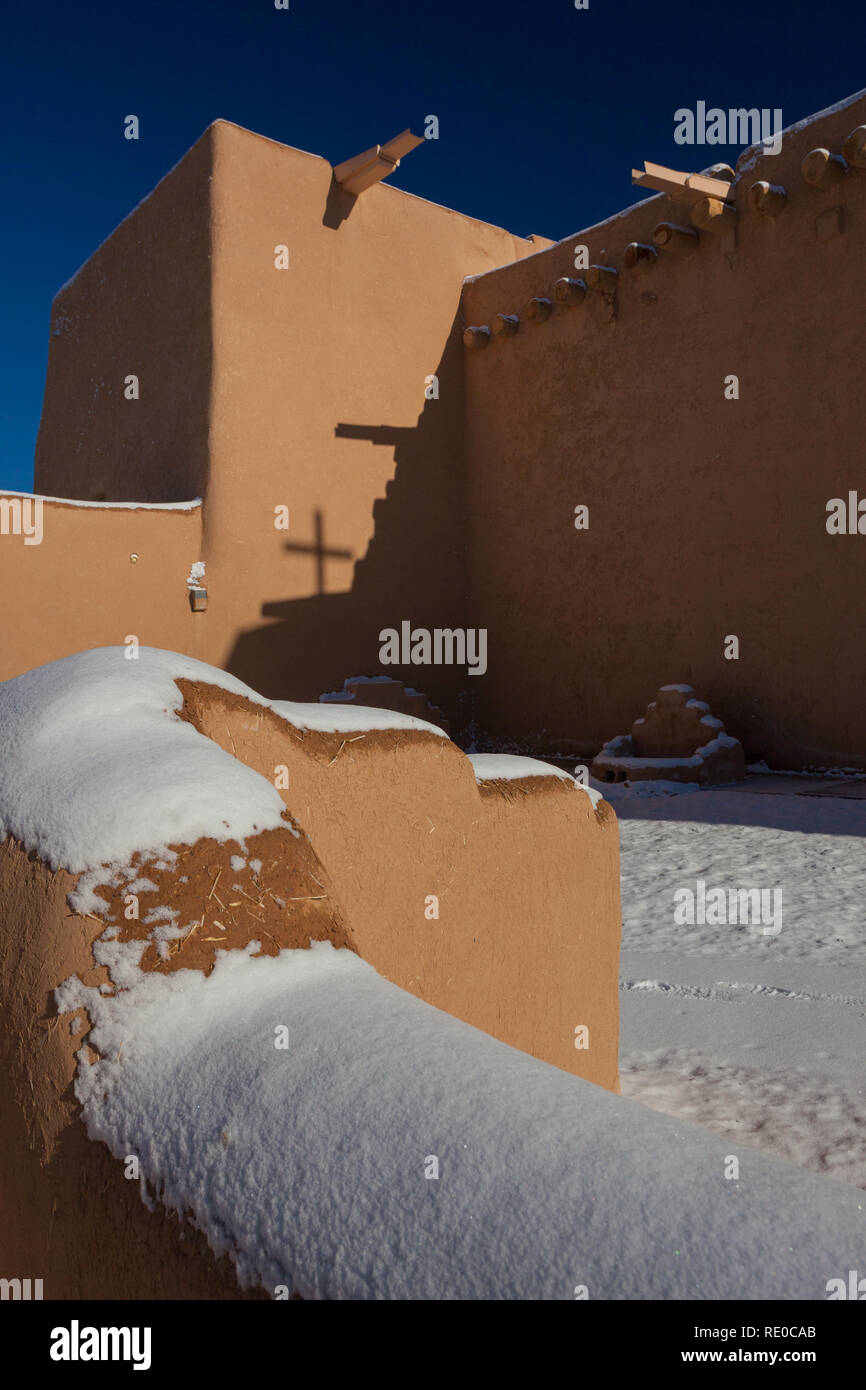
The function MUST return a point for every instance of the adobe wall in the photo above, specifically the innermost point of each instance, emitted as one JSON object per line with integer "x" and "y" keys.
{"x": 319, "y": 404}
{"x": 262, "y": 387}
{"x": 525, "y": 946}
{"x": 139, "y": 306}
{"x": 68, "y": 1214}
{"x": 79, "y": 588}
{"x": 707, "y": 516}
{"x": 526, "y": 873}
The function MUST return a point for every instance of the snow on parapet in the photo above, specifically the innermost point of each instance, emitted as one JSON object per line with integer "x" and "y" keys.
{"x": 333, "y": 718}
{"x": 572, "y": 236}
{"x": 109, "y": 506}
{"x": 399, "y": 1153}
{"x": 746, "y": 161}
{"x": 508, "y": 767}
{"x": 750, "y": 156}
{"x": 97, "y": 765}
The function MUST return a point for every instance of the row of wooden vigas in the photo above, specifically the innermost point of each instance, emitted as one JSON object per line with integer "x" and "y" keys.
{"x": 710, "y": 211}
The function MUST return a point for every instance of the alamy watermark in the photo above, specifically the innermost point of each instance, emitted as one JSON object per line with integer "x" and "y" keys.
{"x": 439, "y": 646}
{"x": 76, "y": 1343}
{"x": 21, "y": 1289}
{"x": 753, "y": 907}
{"x": 736, "y": 126}
{"x": 22, "y": 516}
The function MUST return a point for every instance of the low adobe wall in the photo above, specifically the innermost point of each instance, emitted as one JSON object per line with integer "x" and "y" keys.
{"x": 525, "y": 946}
{"x": 80, "y": 588}
{"x": 707, "y": 516}
{"x": 526, "y": 873}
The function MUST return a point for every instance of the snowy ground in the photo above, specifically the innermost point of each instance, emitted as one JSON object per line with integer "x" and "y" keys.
{"x": 759, "y": 1038}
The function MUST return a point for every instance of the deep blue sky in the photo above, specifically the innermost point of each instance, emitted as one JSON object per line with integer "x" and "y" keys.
{"x": 543, "y": 110}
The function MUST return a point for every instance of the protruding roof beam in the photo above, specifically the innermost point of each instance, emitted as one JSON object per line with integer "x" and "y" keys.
{"x": 375, "y": 164}
{"x": 683, "y": 188}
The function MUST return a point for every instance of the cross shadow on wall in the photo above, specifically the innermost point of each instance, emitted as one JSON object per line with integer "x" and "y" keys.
{"x": 414, "y": 566}
{"x": 319, "y": 551}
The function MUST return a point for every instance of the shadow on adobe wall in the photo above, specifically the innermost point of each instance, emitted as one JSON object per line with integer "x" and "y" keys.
{"x": 338, "y": 206}
{"x": 415, "y": 569}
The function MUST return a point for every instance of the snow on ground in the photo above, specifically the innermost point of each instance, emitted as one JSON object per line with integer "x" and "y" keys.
{"x": 391, "y": 1151}
{"x": 760, "y": 1038}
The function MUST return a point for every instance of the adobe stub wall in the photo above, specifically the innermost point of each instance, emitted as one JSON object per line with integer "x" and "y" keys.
{"x": 707, "y": 516}
{"x": 93, "y": 576}
{"x": 523, "y": 941}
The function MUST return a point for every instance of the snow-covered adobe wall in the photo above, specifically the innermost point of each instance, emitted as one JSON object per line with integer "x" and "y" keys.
{"x": 157, "y": 815}
{"x": 284, "y": 337}
{"x": 224, "y": 1071}
{"x": 707, "y": 515}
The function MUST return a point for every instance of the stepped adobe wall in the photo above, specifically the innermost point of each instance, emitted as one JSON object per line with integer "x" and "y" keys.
{"x": 524, "y": 945}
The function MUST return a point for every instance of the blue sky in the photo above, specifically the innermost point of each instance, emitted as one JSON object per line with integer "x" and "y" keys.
{"x": 543, "y": 109}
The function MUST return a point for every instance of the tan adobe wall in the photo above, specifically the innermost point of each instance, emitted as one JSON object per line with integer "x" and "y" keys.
{"x": 79, "y": 588}
{"x": 319, "y": 404}
{"x": 526, "y": 947}
{"x": 707, "y": 515}
{"x": 262, "y": 387}
{"x": 139, "y": 306}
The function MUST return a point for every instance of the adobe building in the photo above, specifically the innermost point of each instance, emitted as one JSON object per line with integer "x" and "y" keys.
{"x": 361, "y": 410}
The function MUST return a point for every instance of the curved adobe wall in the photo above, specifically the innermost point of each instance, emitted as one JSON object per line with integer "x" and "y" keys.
{"x": 68, "y": 1214}
{"x": 525, "y": 947}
